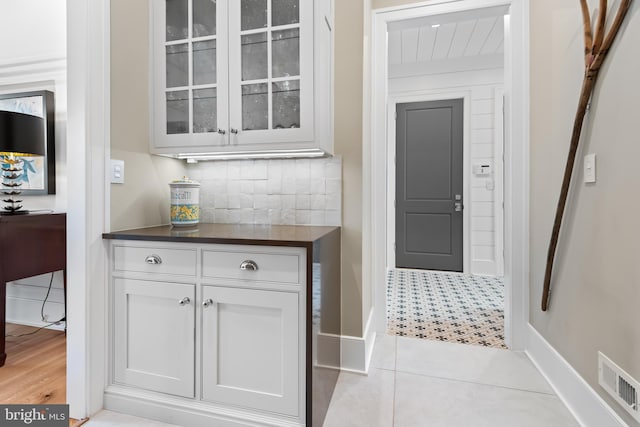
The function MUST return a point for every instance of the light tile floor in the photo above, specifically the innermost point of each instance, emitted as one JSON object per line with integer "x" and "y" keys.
{"x": 116, "y": 419}
{"x": 424, "y": 383}
{"x": 415, "y": 382}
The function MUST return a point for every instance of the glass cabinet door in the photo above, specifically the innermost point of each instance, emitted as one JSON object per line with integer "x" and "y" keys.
{"x": 192, "y": 48}
{"x": 271, "y": 49}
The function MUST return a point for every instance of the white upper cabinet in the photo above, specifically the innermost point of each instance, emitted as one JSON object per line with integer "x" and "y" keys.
{"x": 189, "y": 97}
{"x": 251, "y": 77}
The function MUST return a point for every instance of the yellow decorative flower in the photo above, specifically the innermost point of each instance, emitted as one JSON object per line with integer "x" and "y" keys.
{"x": 185, "y": 213}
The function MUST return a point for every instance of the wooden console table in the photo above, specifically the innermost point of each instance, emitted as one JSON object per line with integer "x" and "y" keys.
{"x": 30, "y": 245}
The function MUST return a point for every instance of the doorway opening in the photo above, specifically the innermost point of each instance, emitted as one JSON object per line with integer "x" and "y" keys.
{"x": 422, "y": 56}
{"x": 445, "y": 89}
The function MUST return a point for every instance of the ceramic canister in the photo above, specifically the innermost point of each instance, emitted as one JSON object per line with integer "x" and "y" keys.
{"x": 185, "y": 202}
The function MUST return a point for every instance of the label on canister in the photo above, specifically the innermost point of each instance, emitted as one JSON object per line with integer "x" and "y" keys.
{"x": 185, "y": 202}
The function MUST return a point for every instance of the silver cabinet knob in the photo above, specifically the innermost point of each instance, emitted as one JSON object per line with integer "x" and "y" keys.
{"x": 207, "y": 302}
{"x": 234, "y": 131}
{"x": 184, "y": 301}
{"x": 222, "y": 131}
{"x": 249, "y": 265}
{"x": 153, "y": 259}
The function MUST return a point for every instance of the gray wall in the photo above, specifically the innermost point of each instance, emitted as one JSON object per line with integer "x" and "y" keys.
{"x": 596, "y": 286}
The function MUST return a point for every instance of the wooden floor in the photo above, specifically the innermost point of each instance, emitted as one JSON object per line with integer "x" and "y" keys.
{"x": 36, "y": 368}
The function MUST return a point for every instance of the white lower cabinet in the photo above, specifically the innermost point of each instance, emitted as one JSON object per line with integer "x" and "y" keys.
{"x": 202, "y": 344}
{"x": 250, "y": 348}
{"x": 153, "y": 335}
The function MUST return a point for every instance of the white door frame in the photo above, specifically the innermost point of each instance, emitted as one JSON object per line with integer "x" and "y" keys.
{"x": 88, "y": 150}
{"x": 425, "y": 96}
{"x": 516, "y": 158}
{"x": 498, "y": 177}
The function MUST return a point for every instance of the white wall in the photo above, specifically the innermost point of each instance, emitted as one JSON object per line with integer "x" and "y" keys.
{"x": 32, "y": 29}
{"x": 481, "y": 85}
{"x": 33, "y": 58}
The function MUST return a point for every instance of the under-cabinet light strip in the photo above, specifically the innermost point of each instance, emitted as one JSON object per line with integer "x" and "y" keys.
{"x": 252, "y": 155}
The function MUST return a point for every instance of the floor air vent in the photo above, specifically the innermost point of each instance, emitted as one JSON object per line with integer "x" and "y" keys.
{"x": 619, "y": 384}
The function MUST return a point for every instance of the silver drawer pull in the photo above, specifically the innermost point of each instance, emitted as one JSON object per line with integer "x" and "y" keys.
{"x": 249, "y": 265}
{"x": 153, "y": 259}
{"x": 184, "y": 301}
{"x": 207, "y": 302}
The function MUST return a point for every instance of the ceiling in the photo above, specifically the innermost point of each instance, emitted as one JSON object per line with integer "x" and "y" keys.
{"x": 447, "y": 37}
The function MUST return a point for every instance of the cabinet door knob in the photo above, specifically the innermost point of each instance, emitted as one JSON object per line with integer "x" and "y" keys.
{"x": 207, "y": 302}
{"x": 249, "y": 265}
{"x": 222, "y": 131}
{"x": 153, "y": 259}
{"x": 234, "y": 131}
{"x": 184, "y": 301}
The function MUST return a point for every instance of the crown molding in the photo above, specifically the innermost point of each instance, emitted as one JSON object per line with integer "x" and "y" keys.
{"x": 30, "y": 65}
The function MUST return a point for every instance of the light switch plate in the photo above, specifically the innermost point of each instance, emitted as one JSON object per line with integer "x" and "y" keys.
{"x": 590, "y": 168}
{"x": 117, "y": 171}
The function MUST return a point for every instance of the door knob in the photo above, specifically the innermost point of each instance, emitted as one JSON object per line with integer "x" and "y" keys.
{"x": 207, "y": 302}
{"x": 234, "y": 131}
{"x": 222, "y": 131}
{"x": 457, "y": 206}
{"x": 184, "y": 301}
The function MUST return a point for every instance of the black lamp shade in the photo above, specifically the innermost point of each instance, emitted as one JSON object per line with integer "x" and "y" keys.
{"x": 21, "y": 134}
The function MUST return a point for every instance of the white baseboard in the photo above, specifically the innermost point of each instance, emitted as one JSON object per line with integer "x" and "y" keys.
{"x": 484, "y": 267}
{"x": 328, "y": 354}
{"x": 173, "y": 410}
{"x": 25, "y": 297}
{"x": 582, "y": 400}
{"x": 27, "y": 312}
{"x": 356, "y": 351}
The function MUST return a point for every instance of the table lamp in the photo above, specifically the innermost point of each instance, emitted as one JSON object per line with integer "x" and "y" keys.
{"x": 21, "y": 135}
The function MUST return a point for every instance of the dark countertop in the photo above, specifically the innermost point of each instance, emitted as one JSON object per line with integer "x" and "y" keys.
{"x": 244, "y": 234}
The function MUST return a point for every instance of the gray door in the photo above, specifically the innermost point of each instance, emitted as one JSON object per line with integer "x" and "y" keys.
{"x": 429, "y": 185}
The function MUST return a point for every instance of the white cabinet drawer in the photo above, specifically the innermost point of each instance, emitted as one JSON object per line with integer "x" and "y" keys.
{"x": 155, "y": 260}
{"x": 252, "y": 265}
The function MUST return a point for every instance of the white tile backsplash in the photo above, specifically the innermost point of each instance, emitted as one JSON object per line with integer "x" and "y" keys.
{"x": 282, "y": 191}
{"x": 221, "y": 201}
{"x": 317, "y": 186}
{"x": 303, "y": 202}
{"x": 288, "y": 201}
{"x": 233, "y": 201}
{"x": 274, "y": 201}
{"x": 288, "y": 185}
{"x": 246, "y": 200}
{"x": 260, "y": 201}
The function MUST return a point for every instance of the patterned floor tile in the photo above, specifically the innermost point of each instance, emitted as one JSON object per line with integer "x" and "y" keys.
{"x": 444, "y": 306}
